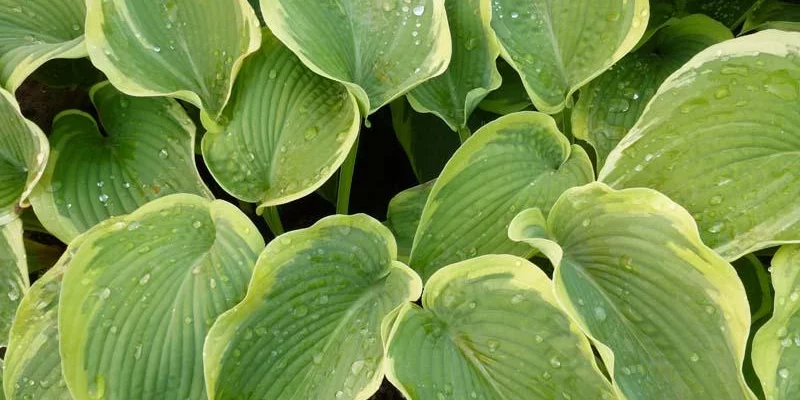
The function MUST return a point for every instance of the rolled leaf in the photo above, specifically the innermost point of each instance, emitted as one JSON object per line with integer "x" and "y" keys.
{"x": 164, "y": 48}
{"x": 557, "y": 47}
{"x": 773, "y": 14}
{"x": 380, "y": 49}
{"x": 611, "y": 104}
{"x": 36, "y": 31}
{"x": 13, "y": 275}
{"x": 515, "y": 162}
{"x": 491, "y": 329}
{"x": 776, "y": 346}
{"x": 143, "y": 150}
{"x": 287, "y": 129}
{"x": 403, "y": 216}
{"x": 23, "y": 155}
{"x": 33, "y": 364}
{"x": 141, "y": 291}
{"x": 310, "y": 326}
{"x": 472, "y": 73}
{"x": 619, "y": 257}
{"x": 720, "y": 137}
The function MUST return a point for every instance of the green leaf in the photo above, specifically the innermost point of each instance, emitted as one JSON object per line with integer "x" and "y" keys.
{"x": 13, "y": 275}
{"x": 33, "y": 364}
{"x": 557, "y": 47}
{"x": 610, "y": 105}
{"x": 511, "y": 97}
{"x": 288, "y": 131}
{"x": 730, "y": 13}
{"x": 491, "y": 328}
{"x": 515, "y": 162}
{"x": 379, "y": 49}
{"x": 773, "y": 14}
{"x": 720, "y": 137}
{"x": 309, "y": 327}
{"x": 23, "y": 155}
{"x": 403, "y": 216}
{"x": 472, "y": 73}
{"x": 141, "y": 291}
{"x": 165, "y": 49}
{"x": 144, "y": 150}
{"x": 36, "y": 31}
{"x": 619, "y": 257}
{"x": 428, "y": 142}
{"x": 776, "y": 346}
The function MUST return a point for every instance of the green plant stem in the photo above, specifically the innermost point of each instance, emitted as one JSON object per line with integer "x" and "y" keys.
{"x": 764, "y": 282}
{"x": 273, "y": 219}
{"x": 567, "y": 123}
{"x": 346, "y": 180}
{"x": 464, "y": 133}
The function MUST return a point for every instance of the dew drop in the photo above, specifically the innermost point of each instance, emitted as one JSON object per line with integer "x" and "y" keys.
{"x": 418, "y": 10}
{"x": 694, "y": 357}
{"x": 784, "y": 373}
{"x": 105, "y": 293}
{"x": 197, "y": 224}
{"x": 716, "y": 200}
{"x": 493, "y": 345}
{"x": 144, "y": 279}
{"x": 716, "y": 227}
{"x": 517, "y": 298}
{"x": 555, "y": 362}
{"x": 600, "y": 314}
{"x": 163, "y": 153}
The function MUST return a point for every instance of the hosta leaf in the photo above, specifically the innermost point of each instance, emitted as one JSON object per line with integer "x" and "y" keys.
{"x": 309, "y": 327}
{"x": 33, "y": 32}
{"x": 622, "y": 254}
{"x": 510, "y": 97}
{"x": 557, "y": 47}
{"x": 164, "y": 48}
{"x": 23, "y": 155}
{"x": 289, "y": 129}
{"x": 728, "y": 12}
{"x": 472, "y": 73}
{"x": 144, "y": 150}
{"x": 491, "y": 329}
{"x": 13, "y": 275}
{"x": 33, "y": 364}
{"x": 776, "y": 346}
{"x": 721, "y": 138}
{"x": 427, "y": 141}
{"x": 142, "y": 290}
{"x": 612, "y": 103}
{"x": 379, "y": 49}
{"x": 403, "y": 216}
{"x": 773, "y": 14}
{"x": 515, "y": 162}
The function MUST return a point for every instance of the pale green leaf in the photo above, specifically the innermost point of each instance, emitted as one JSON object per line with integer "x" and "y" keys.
{"x": 510, "y": 97}
{"x": 776, "y": 346}
{"x": 287, "y": 129}
{"x": 33, "y": 32}
{"x": 773, "y": 14}
{"x": 515, "y": 162}
{"x": 721, "y": 137}
{"x": 33, "y": 364}
{"x": 13, "y": 275}
{"x": 670, "y": 317}
{"x": 379, "y": 49}
{"x": 310, "y": 326}
{"x": 557, "y": 47}
{"x": 405, "y": 210}
{"x": 141, "y": 291}
{"x": 143, "y": 150}
{"x": 167, "y": 48}
{"x": 612, "y": 103}
{"x": 426, "y": 139}
{"x": 23, "y": 155}
{"x": 491, "y": 329}
{"x": 472, "y": 73}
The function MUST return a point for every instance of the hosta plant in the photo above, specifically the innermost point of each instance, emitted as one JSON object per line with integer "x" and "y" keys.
{"x": 421, "y": 199}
